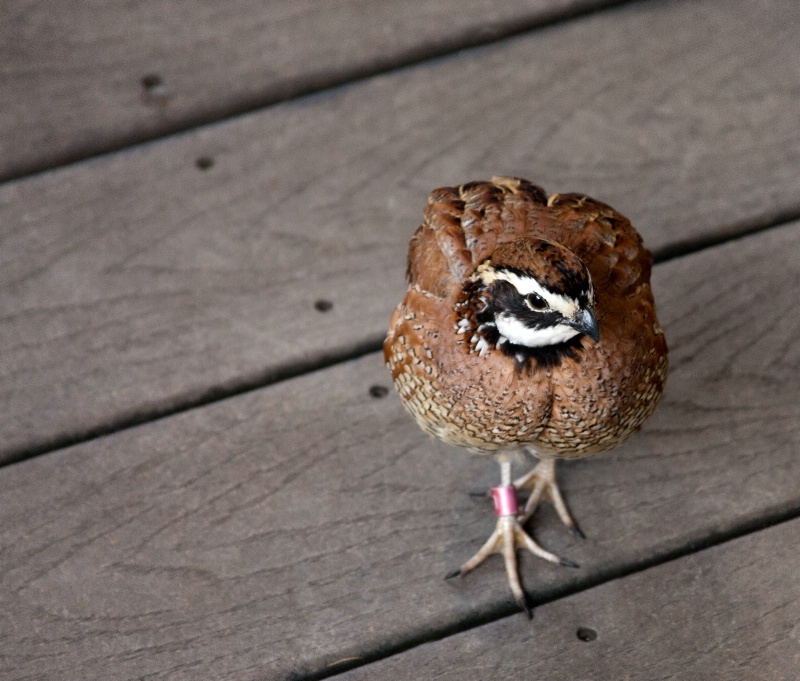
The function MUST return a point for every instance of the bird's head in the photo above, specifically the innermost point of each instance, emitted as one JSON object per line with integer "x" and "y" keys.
{"x": 533, "y": 294}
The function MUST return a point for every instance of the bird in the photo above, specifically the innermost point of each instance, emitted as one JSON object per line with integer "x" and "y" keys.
{"x": 528, "y": 326}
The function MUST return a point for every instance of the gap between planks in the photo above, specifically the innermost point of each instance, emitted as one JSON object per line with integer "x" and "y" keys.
{"x": 729, "y": 612}
{"x": 96, "y": 341}
{"x": 415, "y": 56}
{"x": 762, "y": 256}
{"x": 714, "y": 539}
{"x": 279, "y": 374}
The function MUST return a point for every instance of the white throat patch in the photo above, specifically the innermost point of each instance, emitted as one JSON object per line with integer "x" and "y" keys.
{"x": 519, "y": 334}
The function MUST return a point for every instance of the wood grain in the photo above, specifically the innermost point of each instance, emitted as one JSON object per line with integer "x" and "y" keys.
{"x": 727, "y": 613}
{"x": 281, "y": 531}
{"x": 74, "y": 77}
{"x": 137, "y": 284}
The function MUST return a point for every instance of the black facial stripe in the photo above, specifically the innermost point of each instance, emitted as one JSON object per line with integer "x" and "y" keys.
{"x": 540, "y": 320}
{"x": 571, "y": 283}
{"x": 504, "y": 298}
{"x": 481, "y": 307}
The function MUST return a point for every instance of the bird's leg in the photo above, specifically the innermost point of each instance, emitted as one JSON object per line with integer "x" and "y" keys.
{"x": 507, "y": 537}
{"x": 542, "y": 483}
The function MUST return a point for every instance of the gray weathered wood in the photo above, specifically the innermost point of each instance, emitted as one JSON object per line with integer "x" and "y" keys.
{"x": 72, "y": 79}
{"x": 727, "y": 613}
{"x": 138, "y": 283}
{"x": 283, "y": 530}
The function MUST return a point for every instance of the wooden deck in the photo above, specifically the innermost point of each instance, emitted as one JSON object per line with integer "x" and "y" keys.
{"x": 204, "y": 214}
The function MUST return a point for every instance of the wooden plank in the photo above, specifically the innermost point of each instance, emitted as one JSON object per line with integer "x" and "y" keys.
{"x": 283, "y": 530}
{"x": 727, "y": 613}
{"x": 137, "y": 283}
{"x": 81, "y": 79}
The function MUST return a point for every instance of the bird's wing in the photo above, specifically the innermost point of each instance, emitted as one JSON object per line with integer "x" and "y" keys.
{"x": 603, "y": 239}
{"x": 620, "y": 266}
{"x": 463, "y": 226}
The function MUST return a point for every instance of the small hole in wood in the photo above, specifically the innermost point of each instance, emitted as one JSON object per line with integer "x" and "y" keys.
{"x": 154, "y": 92}
{"x": 151, "y": 81}
{"x": 323, "y": 305}
{"x": 204, "y": 162}
{"x": 378, "y": 391}
{"x": 585, "y": 634}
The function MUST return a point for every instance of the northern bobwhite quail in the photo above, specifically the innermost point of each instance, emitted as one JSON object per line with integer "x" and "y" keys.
{"x": 528, "y": 324}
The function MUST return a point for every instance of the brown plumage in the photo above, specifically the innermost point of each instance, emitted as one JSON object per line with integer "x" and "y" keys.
{"x": 494, "y": 346}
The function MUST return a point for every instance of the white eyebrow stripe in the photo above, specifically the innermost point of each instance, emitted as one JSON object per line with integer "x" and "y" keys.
{"x": 526, "y": 285}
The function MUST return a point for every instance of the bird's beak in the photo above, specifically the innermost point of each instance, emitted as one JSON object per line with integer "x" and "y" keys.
{"x": 585, "y": 322}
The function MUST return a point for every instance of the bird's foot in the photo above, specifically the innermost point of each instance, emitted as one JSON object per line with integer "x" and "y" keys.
{"x": 542, "y": 483}
{"x": 507, "y": 537}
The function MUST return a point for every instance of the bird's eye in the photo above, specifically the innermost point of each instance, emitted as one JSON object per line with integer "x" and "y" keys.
{"x": 536, "y": 302}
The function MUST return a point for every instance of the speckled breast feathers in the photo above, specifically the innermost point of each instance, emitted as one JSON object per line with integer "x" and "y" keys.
{"x": 528, "y": 321}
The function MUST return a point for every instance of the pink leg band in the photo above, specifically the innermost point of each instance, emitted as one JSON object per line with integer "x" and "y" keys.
{"x": 505, "y": 500}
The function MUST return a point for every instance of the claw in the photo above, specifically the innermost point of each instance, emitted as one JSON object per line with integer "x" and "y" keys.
{"x": 577, "y": 531}
{"x": 507, "y": 537}
{"x": 569, "y": 563}
{"x": 542, "y": 482}
{"x": 523, "y": 604}
{"x": 509, "y": 534}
